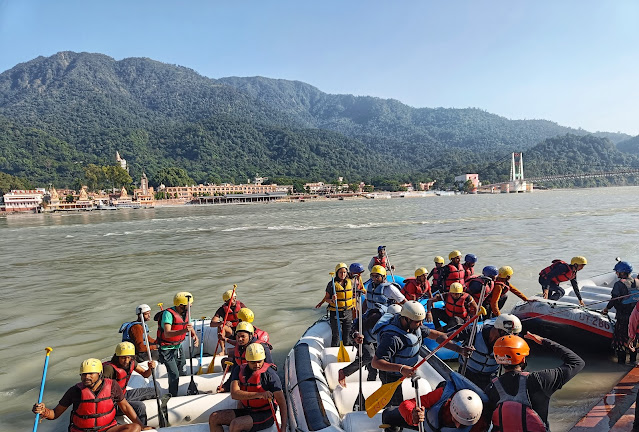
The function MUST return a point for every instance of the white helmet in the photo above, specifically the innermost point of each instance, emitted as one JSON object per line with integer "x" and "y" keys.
{"x": 142, "y": 308}
{"x": 394, "y": 308}
{"x": 508, "y": 323}
{"x": 413, "y": 310}
{"x": 466, "y": 407}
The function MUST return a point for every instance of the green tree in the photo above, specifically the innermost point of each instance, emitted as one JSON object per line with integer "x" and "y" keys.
{"x": 172, "y": 176}
{"x": 117, "y": 176}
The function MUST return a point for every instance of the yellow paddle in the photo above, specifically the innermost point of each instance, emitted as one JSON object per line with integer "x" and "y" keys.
{"x": 342, "y": 354}
{"x": 383, "y": 395}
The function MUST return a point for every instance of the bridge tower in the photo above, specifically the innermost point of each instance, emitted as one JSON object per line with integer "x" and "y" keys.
{"x": 517, "y": 168}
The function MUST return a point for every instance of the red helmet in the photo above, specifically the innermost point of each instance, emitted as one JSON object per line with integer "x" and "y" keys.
{"x": 511, "y": 350}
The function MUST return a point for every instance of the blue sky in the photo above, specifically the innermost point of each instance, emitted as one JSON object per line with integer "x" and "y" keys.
{"x": 573, "y": 62}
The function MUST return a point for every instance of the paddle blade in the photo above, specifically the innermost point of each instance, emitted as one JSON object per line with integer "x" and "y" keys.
{"x": 211, "y": 366}
{"x": 192, "y": 390}
{"x": 342, "y": 354}
{"x": 378, "y": 400}
{"x": 200, "y": 371}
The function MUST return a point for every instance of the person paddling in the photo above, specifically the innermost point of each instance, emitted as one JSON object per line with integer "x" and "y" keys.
{"x": 133, "y": 332}
{"x": 94, "y": 401}
{"x": 380, "y": 260}
{"x": 560, "y": 271}
{"x": 228, "y": 311}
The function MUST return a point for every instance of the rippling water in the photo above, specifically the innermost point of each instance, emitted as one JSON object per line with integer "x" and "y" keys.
{"x": 70, "y": 280}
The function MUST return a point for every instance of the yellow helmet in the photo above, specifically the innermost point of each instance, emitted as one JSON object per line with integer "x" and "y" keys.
{"x": 91, "y": 365}
{"x": 505, "y": 271}
{"x": 227, "y": 295}
{"x": 456, "y": 288}
{"x": 379, "y": 270}
{"x": 125, "y": 349}
{"x": 246, "y": 315}
{"x": 255, "y": 352}
{"x": 454, "y": 254}
{"x": 246, "y": 327}
{"x": 181, "y": 298}
{"x": 439, "y": 260}
{"x": 421, "y": 271}
{"x": 578, "y": 260}
{"x": 341, "y": 266}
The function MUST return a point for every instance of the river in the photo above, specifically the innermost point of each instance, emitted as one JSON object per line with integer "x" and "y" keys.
{"x": 70, "y": 280}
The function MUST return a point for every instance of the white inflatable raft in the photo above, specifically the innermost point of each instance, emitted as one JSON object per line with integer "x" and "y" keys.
{"x": 316, "y": 402}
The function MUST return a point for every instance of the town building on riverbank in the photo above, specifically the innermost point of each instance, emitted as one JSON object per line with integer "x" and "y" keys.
{"x": 189, "y": 193}
{"x": 23, "y": 200}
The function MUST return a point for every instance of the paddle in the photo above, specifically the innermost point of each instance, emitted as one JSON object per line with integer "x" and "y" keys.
{"x": 161, "y": 418}
{"x": 277, "y": 425}
{"x": 383, "y": 395}
{"x": 390, "y": 267}
{"x": 219, "y": 339}
{"x": 200, "y": 371}
{"x": 418, "y": 401}
{"x": 473, "y": 333}
{"x": 192, "y": 390}
{"x": 228, "y": 365}
{"x": 342, "y": 354}
{"x": 359, "y": 405}
{"x": 44, "y": 377}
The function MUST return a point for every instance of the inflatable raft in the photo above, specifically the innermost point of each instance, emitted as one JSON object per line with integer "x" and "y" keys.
{"x": 316, "y": 402}
{"x": 568, "y": 322}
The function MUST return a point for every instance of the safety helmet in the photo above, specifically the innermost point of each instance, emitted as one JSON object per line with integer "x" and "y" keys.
{"x": 356, "y": 268}
{"x": 341, "y": 266}
{"x": 181, "y": 298}
{"x": 255, "y": 352}
{"x": 125, "y": 349}
{"x": 413, "y": 310}
{"x": 470, "y": 258}
{"x": 91, "y": 365}
{"x": 421, "y": 271}
{"x": 379, "y": 270}
{"x": 508, "y": 323}
{"x": 466, "y": 407}
{"x": 579, "y": 260}
{"x": 394, "y": 309}
{"x": 510, "y": 350}
{"x": 379, "y": 248}
{"x": 505, "y": 271}
{"x": 246, "y": 315}
{"x": 454, "y": 254}
{"x": 245, "y": 327}
{"x": 490, "y": 271}
{"x": 142, "y": 308}
{"x": 439, "y": 260}
{"x": 227, "y": 295}
{"x": 456, "y": 288}
{"x": 623, "y": 267}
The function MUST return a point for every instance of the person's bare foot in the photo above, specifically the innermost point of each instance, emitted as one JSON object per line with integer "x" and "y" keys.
{"x": 341, "y": 378}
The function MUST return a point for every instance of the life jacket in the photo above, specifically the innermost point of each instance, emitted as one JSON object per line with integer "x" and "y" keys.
{"x": 178, "y": 324}
{"x": 515, "y": 413}
{"x": 432, "y": 421}
{"x": 231, "y": 317}
{"x": 468, "y": 271}
{"x": 435, "y": 273}
{"x": 383, "y": 261}
{"x": 375, "y": 298}
{"x": 482, "y": 359}
{"x": 505, "y": 287}
{"x": 411, "y": 342}
{"x": 369, "y": 336}
{"x": 94, "y": 413}
{"x": 122, "y": 375}
{"x": 261, "y": 335}
{"x": 476, "y": 284}
{"x": 455, "y": 274}
{"x": 569, "y": 274}
{"x": 633, "y": 291}
{"x": 456, "y": 308}
{"x": 345, "y": 300}
{"x": 239, "y": 353}
{"x": 125, "y": 329}
{"x": 254, "y": 384}
{"x": 413, "y": 290}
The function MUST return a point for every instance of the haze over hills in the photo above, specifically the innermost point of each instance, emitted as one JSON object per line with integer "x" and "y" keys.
{"x": 59, "y": 113}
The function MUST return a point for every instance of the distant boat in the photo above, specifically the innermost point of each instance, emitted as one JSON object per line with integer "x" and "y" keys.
{"x": 103, "y": 206}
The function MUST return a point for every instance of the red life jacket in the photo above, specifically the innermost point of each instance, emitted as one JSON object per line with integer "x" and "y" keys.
{"x": 455, "y": 274}
{"x": 456, "y": 307}
{"x": 261, "y": 335}
{"x": 122, "y": 376}
{"x": 468, "y": 271}
{"x": 380, "y": 261}
{"x": 413, "y": 290}
{"x": 483, "y": 281}
{"x": 515, "y": 413}
{"x": 569, "y": 274}
{"x": 435, "y": 272}
{"x": 254, "y": 384}
{"x": 232, "y": 314}
{"x": 94, "y": 413}
{"x": 178, "y": 324}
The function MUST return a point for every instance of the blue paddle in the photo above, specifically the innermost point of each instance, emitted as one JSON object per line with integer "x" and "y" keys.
{"x": 44, "y": 377}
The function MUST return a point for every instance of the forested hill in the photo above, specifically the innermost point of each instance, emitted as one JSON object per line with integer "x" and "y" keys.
{"x": 58, "y": 114}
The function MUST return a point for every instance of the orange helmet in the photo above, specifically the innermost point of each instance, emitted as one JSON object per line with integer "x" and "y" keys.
{"x": 511, "y": 350}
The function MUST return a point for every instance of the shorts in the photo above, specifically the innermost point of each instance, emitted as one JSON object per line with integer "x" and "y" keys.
{"x": 261, "y": 419}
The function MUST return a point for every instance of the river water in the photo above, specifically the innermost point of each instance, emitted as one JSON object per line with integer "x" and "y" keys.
{"x": 70, "y": 280}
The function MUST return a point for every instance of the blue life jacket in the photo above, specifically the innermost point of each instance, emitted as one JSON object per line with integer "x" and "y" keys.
{"x": 375, "y": 298}
{"x": 433, "y": 416}
{"x": 369, "y": 336}
{"x": 633, "y": 291}
{"x": 125, "y": 329}
{"x": 411, "y": 342}
{"x": 482, "y": 359}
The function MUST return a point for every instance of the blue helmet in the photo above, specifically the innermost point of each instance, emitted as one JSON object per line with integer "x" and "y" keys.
{"x": 356, "y": 268}
{"x": 470, "y": 258}
{"x": 623, "y": 267}
{"x": 490, "y": 271}
{"x": 380, "y": 248}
